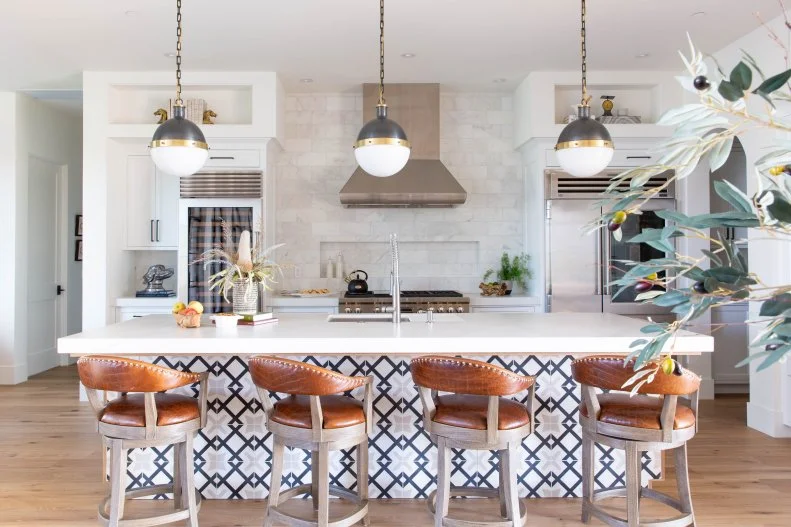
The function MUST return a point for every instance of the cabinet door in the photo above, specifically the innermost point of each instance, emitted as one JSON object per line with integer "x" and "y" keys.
{"x": 140, "y": 202}
{"x": 167, "y": 217}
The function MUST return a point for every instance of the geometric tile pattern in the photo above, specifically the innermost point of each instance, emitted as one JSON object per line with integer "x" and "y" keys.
{"x": 233, "y": 451}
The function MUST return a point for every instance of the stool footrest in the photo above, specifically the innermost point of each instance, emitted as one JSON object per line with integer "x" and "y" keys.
{"x": 359, "y": 512}
{"x": 474, "y": 492}
{"x": 181, "y": 514}
{"x": 684, "y": 520}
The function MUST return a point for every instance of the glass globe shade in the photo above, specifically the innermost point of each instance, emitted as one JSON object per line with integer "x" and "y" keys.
{"x": 179, "y": 160}
{"x": 382, "y": 160}
{"x": 585, "y": 161}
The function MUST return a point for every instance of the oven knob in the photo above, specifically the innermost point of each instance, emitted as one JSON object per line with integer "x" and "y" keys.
{"x": 459, "y": 309}
{"x": 421, "y": 311}
{"x": 441, "y": 309}
{"x": 451, "y": 310}
{"x": 377, "y": 310}
{"x": 347, "y": 310}
{"x": 357, "y": 310}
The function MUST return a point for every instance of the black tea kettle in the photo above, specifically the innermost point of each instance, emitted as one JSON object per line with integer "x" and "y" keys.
{"x": 357, "y": 285}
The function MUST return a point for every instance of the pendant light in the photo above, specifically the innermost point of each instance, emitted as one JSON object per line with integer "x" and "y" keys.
{"x": 382, "y": 148}
{"x": 584, "y": 147}
{"x": 178, "y": 146}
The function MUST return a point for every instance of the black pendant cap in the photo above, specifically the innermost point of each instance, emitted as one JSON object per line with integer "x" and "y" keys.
{"x": 178, "y": 131}
{"x": 585, "y": 131}
{"x": 381, "y": 130}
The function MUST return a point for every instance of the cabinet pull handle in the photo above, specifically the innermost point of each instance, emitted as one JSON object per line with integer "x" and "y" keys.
{"x": 638, "y": 157}
{"x": 151, "y": 231}
{"x": 222, "y": 157}
{"x": 157, "y": 230}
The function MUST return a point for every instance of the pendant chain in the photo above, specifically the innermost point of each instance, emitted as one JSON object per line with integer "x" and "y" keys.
{"x": 179, "y": 102}
{"x": 381, "y": 52}
{"x": 585, "y": 97}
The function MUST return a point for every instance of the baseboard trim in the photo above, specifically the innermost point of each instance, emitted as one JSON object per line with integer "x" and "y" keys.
{"x": 42, "y": 361}
{"x": 731, "y": 388}
{"x": 706, "y": 388}
{"x": 13, "y": 374}
{"x": 767, "y": 421}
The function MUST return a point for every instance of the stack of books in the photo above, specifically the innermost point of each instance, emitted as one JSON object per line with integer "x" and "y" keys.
{"x": 193, "y": 110}
{"x": 257, "y": 320}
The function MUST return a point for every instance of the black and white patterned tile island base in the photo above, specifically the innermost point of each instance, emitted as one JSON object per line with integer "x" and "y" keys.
{"x": 233, "y": 452}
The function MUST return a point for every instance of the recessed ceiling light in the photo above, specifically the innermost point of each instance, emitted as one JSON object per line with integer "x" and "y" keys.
{"x": 130, "y": 13}
{"x": 170, "y": 55}
{"x": 408, "y": 55}
{"x": 499, "y": 81}
{"x": 698, "y": 13}
{"x": 642, "y": 55}
{"x": 306, "y": 80}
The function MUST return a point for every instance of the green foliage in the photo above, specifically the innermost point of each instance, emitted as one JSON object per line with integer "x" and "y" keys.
{"x": 513, "y": 269}
{"x": 695, "y": 283}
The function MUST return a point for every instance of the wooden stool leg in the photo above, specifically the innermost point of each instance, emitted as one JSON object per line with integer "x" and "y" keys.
{"x": 117, "y": 481}
{"x": 314, "y": 479}
{"x": 503, "y": 490}
{"x": 512, "y": 492}
{"x": 177, "y": 454}
{"x": 632, "y": 485}
{"x": 324, "y": 485}
{"x": 588, "y": 461}
{"x": 362, "y": 475}
{"x": 187, "y": 466}
{"x": 443, "y": 482}
{"x": 276, "y": 479}
{"x": 682, "y": 479}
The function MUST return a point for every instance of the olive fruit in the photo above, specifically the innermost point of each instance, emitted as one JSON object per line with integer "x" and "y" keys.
{"x": 642, "y": 286}
{"x": 777, "y": 170}
{"x": 700, "y": 287}
{"x": 652, "y": 277}
{"x": 612, "y": 226}
{"x": 701, "y": 83}
{"x": 619, "y": 217}
{"x": 668, "y": 366}
{"x": 678, "y": 371}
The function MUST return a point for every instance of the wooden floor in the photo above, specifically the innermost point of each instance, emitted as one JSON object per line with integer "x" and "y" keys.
{"x": 50, "y": 465}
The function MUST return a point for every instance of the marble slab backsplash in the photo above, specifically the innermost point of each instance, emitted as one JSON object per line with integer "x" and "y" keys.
{"x": 440, "y": 248}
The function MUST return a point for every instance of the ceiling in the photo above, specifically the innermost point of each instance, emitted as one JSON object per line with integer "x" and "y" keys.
{"x": 461, "y": 43}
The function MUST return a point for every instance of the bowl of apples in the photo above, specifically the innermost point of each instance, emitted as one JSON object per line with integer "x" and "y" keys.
{"x": 188, "y": 315}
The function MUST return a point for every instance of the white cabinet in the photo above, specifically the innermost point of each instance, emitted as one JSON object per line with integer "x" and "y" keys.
{"x": 152, "y": 199}
{"x": 621, "y": 158}
{"x": 731, "y": 345}
{"x": 122, "y": 314}
{"x": 502, "y": 309}
{"x": 239, "y": 158}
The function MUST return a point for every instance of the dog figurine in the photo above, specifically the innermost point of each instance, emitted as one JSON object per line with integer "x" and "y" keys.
{"x": 163, "y": 115}
{"x": 208, "y": 116}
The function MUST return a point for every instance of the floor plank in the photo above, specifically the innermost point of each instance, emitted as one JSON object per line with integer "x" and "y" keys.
{"x": 50, "y": 467}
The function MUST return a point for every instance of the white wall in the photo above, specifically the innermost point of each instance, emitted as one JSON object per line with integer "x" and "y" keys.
{"x": 769, "y": 259}
{"x": 440, "y": 248}
{"x": 32, "y": 128}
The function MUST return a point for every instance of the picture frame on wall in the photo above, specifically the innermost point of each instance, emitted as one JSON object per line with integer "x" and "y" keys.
{"x": 78, "y": 225}
{"x": 78, "y": 251}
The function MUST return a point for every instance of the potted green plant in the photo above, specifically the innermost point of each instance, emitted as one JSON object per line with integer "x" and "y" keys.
{"x": 513, "y": 271}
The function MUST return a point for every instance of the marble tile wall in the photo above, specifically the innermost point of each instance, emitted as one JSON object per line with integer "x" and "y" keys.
{"x": 317, "y": 160}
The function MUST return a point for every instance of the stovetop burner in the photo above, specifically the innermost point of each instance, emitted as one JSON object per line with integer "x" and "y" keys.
{"x": 408, "y": 294}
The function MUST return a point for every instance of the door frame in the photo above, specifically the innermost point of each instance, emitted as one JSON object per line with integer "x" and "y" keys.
{"x": 64, "y": 254}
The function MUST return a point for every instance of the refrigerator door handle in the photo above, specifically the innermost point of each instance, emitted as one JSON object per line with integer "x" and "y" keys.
{"x": 606, "y": 265}
{"x": 597, "y": 267}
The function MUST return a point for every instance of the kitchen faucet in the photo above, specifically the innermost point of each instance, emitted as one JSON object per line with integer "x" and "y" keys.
{"x": 395, "y": 286}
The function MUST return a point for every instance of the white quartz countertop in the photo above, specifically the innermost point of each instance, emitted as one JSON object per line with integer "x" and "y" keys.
{"x": 311, "y": 334}
{"x": 143, "y": 301}
{"x": 476, "y": 299}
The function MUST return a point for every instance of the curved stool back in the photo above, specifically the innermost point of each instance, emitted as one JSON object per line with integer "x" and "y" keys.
{"x": 314, "y": 417}
{"x": 155, "y": 419}
{"x": 655, "y": 419}
{"x": 475, "y": 416}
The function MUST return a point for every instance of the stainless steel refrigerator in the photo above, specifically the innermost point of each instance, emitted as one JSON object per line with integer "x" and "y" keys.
{"x": 580, "y": 266}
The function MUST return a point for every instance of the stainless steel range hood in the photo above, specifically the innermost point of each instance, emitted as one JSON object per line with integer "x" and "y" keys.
{"x": 425, "y": 181}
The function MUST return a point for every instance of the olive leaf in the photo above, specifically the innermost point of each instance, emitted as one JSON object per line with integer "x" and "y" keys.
{"x": 730, "y": 92}
{"x": 742, "y": 76}
{"x": 776, "y": 306}
{"x": 773, "y": 83}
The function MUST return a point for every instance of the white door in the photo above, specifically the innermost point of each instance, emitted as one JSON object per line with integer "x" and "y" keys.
{"x": 140, "y": 202}
{"x": 44, "y": 318}
{"x": 167, "y": 220}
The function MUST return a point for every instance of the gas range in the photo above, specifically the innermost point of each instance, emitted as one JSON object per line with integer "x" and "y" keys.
{"x": 411, "y": 302}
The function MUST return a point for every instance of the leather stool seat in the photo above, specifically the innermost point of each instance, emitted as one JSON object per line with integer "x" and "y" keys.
{"x": 130, "y": 410}
{"x": 469, "y": 411}
{"x": 639, "y": 411}
{"x": 338, "y": 411}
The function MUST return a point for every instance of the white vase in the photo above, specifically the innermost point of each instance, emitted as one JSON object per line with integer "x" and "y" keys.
{"x": 245, "y": 297}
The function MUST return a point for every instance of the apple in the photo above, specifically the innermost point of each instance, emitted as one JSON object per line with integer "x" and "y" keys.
{"x": 189, "y": 311}
{"x": 178, "y": 306}
{"x": 197, "y": 306}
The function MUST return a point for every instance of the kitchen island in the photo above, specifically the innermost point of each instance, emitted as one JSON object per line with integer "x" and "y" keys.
{"x": 233, "y": 450}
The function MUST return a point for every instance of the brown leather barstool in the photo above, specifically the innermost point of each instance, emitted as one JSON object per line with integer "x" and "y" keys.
{"x": 314, "y": 417}
{"x": 655, "y": 419}
{"x": 474, "y": 416}
{"x": 143, "y": 417}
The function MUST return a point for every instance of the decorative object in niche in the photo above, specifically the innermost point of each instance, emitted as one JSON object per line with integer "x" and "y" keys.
{"x": 607, "y": 105}
{"x": 512, "y": 271}
{"x": 208, "y": 116}
{"x": 162, "y": 114}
